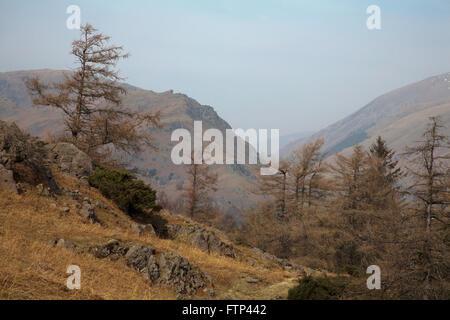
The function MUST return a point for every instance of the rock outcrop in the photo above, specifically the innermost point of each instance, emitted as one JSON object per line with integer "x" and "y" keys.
{"x": 87, "y": 210}
{"x": 201, "y": 238}
{"x": 29, "y": 160}
{"x": 113, "y": 250}
{"x": 177, "y": 272}
{"x": 62, "y": 243}
{"x": 25, "y": 156}
{"x": 162, "y": 268}
{"x": 143, "y": 229}
{"x": 70, "y": 159}
{"x": 7, "y": 180}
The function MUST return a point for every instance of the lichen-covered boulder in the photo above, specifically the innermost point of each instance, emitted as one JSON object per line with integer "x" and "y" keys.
{"x": 70, "y": 159}
{"x": 201, "y": 238}
{"x": 162, "y": 268}
{"x": 178, "y": 273}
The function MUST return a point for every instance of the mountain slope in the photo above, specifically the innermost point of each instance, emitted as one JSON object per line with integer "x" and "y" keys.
{"x": 287, "y": 139}
{"x": 156, "y": 168}
{"x": 147, "y": 254}
{"x": 398, "y": 116}
{"x": 33, "y": 267}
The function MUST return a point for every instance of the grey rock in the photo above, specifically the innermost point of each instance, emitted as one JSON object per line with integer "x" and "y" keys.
{"x": 99, "y": 204}
{"x": 25, "y": 156}
{"x": 73, "y": 194}
{"x": 251, "y": 280}
{"x": 42, "y": 190}
{"x": 84, "y": 181}
{"x": 269, "y": 256}
{"x": 137, "y": 228}
{"x": 209, "y": 279}
{"x": 137, "y": 257}
{"x": 153, "y": 268}
{"x": 257, "y": 251}
{"x": 7, "y": 182}
{"x": 282, "y": 262}
{"x": 87, "y": 211}
{"x": 168, "y": 269}
{"x": 70, "y": 159}
{"x": 112, "y": 250}
{"x": 113, "y": 243}
{"x": 202, "y": 239}
{"x": 62, "y": 243}
{"x": 178, "y": 273}
{"x": 143, "y": 229}
{"x": 52, "y": 242}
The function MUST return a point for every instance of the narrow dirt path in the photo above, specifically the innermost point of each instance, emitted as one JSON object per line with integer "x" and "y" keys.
{"x": 241, "y": 289}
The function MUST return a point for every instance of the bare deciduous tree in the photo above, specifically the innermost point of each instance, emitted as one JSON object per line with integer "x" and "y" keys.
{"x": 201, "y": 182}
{"x": 276, "y": 187}
{"x": 306, "y": 168}
{"x": 90, "y": 98}
{"x": 430, "y": 174}
{"x": 428, "y": 225}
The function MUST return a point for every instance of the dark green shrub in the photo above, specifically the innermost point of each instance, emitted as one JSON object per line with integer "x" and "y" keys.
{"x": 309, "y": 288}
{"x": 130, "y": 194}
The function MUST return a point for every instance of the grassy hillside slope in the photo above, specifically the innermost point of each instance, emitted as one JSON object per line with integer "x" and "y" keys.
{"x": 31, "y": 268}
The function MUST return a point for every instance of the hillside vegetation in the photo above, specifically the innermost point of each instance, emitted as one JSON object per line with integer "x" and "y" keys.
{"x": 101, "y": 193}
{"x": 32, "y": 268}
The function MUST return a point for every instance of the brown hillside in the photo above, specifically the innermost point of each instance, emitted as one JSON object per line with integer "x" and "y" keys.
{"x": 156, "y": 168}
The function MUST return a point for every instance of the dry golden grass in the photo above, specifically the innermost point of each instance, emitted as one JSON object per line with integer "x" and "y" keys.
{"x": 32, "y": 269}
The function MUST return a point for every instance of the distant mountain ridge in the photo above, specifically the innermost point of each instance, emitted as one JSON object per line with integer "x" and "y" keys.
{"x": 288, "y": 138}
{"x": 398, "y": 116}
{"x": 156, "y": 168}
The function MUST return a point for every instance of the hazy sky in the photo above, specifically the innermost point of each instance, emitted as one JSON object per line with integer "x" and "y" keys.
{"x": 288, "y": 64}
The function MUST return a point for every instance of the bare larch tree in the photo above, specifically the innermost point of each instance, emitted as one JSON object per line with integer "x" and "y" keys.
{"x": 90, "y": 98}
{"x": 305, "y": 169}
{"x": 431, "y": 173}
{"x": 200, "y": 183}
{"x": 275, "y": 187}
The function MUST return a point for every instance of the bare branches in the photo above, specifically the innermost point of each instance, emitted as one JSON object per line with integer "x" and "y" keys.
{"x": 200, "y": 183}
{"x": 91, "y": 99}
{"x": 431, "y": 173}
{"x": 298, "y": 181}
